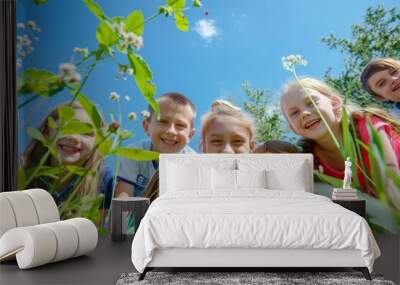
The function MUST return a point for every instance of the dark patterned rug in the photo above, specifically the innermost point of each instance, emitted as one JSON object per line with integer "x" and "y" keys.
{"x": 230, "y": 278}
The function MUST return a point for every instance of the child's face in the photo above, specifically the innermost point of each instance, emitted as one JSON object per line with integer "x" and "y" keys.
{"x": 386, "y": 84}
{"x": 304, "y": 119}
{"x": 227, "y": 135}
{"x": 173, "y": 130}
{"x": 74, "y": 149}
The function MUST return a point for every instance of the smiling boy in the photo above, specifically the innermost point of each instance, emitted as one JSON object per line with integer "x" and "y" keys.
{"x": 170, "y": 133}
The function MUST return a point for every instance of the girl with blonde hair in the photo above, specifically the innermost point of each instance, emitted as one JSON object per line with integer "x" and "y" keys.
{"x": 71, "y": 150}
{"x": 304, "y": 119}
{"x": 227, "y": 129}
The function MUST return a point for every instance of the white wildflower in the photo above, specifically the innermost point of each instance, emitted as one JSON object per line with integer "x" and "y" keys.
{"x": 132, "y": 39}
{"x": 145, "y": 114}
{"x": 127, "y": 98}
{"x": 25, "y": 41}
{"x": 129, "y": 71}
{"x": 114, "y": 96}
{"x": 119, "y": 28}
{"x": 29, "y": 49}
{"x": 138, "y": 42}
{"x": 132, "y": 116}
{"x": 32, "y": 25}
{"x": 82, "y": 51}
{"x": 67, "y": 69}
{"x": 73, "y": 78}
{"x": 21, "y": 26}
{"x": 290, "y": 61}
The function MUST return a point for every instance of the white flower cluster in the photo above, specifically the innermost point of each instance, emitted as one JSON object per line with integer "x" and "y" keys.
{"x": 124, "y": 72}
{"x": 24, "y": 41}
{"x": 114, "y": 96}
{"x": 290, "y": 61}
{"x": 68, "y": 73}
{"x": 82, "y": 51}
{"x": 132, "y": 116}
{"x": 145, "y": 114}
{"x": 128, "y": 39}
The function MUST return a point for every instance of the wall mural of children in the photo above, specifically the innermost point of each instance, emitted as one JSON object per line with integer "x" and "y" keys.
{"x": 75, "y": 150}
{"x": 304, "y": 120}
{"x": 381, "y": 78}
{"x": 170, "y": 133}
{"x": 277, "y": 146}
{"x": 227, "y": 129}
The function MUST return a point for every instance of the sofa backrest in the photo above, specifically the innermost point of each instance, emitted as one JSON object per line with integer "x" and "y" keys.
{"x": 284, "y": 171}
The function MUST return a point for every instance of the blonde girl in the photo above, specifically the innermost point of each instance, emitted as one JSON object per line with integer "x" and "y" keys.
{"x": 75, "y": 150}
{"x": 305, "y": 121}
{"x": 227, "y": 129}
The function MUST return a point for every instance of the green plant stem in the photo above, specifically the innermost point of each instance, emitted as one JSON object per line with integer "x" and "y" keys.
{"x": 86, "y": 170}
{"x": 28, "y": 101}
{"x": 91, "y": 68}
{"x": 42, "y": 160}
{"x": 319, "y": 113}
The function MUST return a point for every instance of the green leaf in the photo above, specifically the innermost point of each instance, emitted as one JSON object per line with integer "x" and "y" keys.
{"x": 396, "y": 178}
{"x": 38, "y": 74}
{"x": 142, "y": 75}
{"x": 196, "y": 3}
{"x": 51, "y": 123}
{"x": 37, "y": 135}
{"x": 124, "y": 135}
{"x": 181, "y": 22}
{"x": 49, "y": 171}
{"x": 21, "y": 178}
{"x": 95, "y": 9}
{"x": 65, "y": 113}
{"x": 177, "y": 5}
{"x": 135, "y": 23}
{"x": 40, "y": 2}
{"x": 91, "y": 111}
{"x": 105, "y": 35}
{"x": 80, "y": 171}
{"x": 135, "y": 154}
{"x": 329, "y": 179}
{"x": 104, "y": 147}
{"x": 41, "y": 82}
{"x": 75, "y": 127}
{"x": 349, "y": 144}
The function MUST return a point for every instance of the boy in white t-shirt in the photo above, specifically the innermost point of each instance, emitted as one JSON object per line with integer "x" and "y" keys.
{"x": 168, "y": 134}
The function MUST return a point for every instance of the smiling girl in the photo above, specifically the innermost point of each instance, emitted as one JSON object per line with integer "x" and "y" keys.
{"x": 305, "y": 121}
{"x": 74, "y": 150}
{"x": 227, "y": 129}
{"x": 381, "y": 78}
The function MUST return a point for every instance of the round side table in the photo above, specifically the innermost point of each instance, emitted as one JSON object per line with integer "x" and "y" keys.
{"x": 137, "y": 205}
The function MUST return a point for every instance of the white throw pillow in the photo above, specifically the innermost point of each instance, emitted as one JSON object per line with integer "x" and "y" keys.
{"x": 188, "y": 177}
{"x": 223, "y": 179}
{"x": 293, "y": 180}
{"x": 251, "y": 178}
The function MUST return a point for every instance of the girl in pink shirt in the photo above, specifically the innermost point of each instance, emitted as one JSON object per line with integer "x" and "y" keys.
{"x": 305, "y": 121}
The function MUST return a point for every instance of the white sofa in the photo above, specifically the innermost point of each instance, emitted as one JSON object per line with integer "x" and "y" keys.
{"x": 31, "y": 231}
{"x": 241, "y": 211}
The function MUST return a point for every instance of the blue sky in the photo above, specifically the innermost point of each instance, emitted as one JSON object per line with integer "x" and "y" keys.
{"x": 237, "y": 41}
